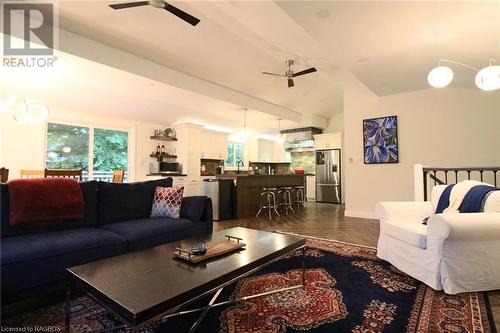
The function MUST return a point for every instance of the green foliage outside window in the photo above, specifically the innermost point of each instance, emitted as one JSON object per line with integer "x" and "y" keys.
{"x": 110, "y": 150}
{"x": 67, "y": 147}
{"x": 235, "y": 153}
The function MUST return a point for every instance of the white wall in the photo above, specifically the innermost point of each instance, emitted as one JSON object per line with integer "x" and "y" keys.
{"x": 22, "y": 146}
{"x": 436, "y": 127}
{"x": 335, "y": 123}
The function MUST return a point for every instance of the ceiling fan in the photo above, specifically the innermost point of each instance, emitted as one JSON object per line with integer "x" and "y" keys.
{"x": 289, "y": 74}
{"x": 162, "y": 5}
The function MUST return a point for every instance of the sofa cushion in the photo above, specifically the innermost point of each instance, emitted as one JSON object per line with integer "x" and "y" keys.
{"x": 145, "y": 233}
{"x": 35, "y": 259}
{"x": 123, "y": 202}
{"x": 492, "y": 202}
{"x": 193, "y": 207}
{"x": 167, "y": 202}
{"x": 89, "y": 192}
{"x": 411, "y": 232}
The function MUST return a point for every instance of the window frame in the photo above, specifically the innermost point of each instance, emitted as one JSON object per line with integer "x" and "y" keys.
{"x": 234, "y": 165}
{"x": 131, "y": 131}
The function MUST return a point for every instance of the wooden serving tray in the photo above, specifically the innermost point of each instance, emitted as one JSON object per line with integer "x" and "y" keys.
{"x": 215, "y": 248}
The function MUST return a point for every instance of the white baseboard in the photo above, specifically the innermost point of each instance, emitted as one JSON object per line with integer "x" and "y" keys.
{"x": 363, "y": 215}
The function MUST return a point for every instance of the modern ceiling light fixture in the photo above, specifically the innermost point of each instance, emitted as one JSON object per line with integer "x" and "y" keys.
{"x": 487, "y": 78}
{"x": 161, "y": 4}
{"x": 26, "y": 111}
{"x": 242, "y": 136}
{"x": 279, "y": 137}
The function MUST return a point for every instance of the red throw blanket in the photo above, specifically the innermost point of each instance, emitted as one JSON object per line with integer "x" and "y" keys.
{"x": 43, "y": 201}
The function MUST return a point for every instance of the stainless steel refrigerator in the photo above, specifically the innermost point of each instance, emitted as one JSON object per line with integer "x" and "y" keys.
{"x": 328, "y": 176}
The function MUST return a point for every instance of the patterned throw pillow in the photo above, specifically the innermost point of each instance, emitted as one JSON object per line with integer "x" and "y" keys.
{"x": 167, "y": 202}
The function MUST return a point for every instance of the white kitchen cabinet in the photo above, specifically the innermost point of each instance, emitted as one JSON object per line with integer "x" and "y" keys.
{"x": 328, "y": 141}
{"x": 311, "y": 187}
{"x": 213, "y": 145}
{"x": 192, "y": 188}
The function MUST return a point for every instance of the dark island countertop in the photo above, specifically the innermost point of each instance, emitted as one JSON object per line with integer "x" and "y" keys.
{"x": 167, "y": 174}
{"x": 248, "y": 189}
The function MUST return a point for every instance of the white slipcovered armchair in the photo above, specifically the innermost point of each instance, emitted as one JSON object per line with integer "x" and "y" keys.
{"x": 455, "y": 252}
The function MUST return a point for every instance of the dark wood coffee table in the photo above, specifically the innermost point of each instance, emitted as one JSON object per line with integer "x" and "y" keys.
{"x": 147, "y": 285}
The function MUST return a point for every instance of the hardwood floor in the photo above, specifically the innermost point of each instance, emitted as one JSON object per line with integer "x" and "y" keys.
{"x": 328, "y": 221}
{"x": 318, "y": 220}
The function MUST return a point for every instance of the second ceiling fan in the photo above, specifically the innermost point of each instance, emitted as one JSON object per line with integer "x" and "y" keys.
{"x": 162, "y": 5}
{"x": 290, "y": 74}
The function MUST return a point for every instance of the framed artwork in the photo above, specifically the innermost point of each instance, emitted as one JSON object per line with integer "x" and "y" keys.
{"x": 380, "y": 140}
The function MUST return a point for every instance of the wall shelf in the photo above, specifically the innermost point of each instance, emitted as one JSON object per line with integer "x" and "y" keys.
{"x": 162, "y": 138}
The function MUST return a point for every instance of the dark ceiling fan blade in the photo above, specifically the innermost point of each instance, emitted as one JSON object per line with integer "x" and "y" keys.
{"x": 290, "y": 83}
{"x": 129, "y": 4}
{"x": 306, "y": 71}
{"x": 267, "y": 73}
{"x": 182, "y": 14}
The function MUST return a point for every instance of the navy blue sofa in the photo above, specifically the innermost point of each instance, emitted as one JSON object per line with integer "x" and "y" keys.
{"x": 116, "y": 221}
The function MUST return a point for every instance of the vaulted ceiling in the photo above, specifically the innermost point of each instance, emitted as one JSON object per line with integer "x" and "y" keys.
{"x": 389, "y": 46}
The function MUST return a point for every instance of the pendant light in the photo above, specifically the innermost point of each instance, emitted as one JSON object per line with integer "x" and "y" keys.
{"x": 487, "y": 78}
{"x": 244, "y": 134}
{"x": 279, "y": 137}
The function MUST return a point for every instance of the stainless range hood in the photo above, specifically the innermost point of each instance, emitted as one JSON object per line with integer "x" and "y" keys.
{"x": 300, "y": 139}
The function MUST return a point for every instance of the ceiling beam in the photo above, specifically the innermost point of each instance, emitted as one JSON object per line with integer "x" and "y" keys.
{"x": 89, "y": 49}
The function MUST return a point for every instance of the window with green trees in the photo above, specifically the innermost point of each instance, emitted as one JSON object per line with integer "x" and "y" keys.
{"x": 234, "y": 154}
{"x": 110, "y": 150}
{"x": 68, "y": 148}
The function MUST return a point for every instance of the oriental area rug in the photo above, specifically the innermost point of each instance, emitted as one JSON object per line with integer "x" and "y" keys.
{"x": 348, "y": 289}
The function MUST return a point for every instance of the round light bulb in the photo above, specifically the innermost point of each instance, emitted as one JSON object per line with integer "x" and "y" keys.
{"x": 488, "y": 78}
{"x": 19, "y": 108}
{"x": 440, "y": 76}
{"x": 37, "y": 111}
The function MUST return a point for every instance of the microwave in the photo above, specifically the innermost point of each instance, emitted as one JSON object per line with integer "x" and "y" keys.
{"x": 164, "y": 167}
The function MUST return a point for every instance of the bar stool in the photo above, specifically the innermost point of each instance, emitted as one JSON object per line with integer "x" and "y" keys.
{"x": 267, "y": 194}
{"x": 298, "y": 196}
{"x": 285, "y": 198}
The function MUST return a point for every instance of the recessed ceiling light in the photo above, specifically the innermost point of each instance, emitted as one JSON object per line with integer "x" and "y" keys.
{"x": 323, "y": 13}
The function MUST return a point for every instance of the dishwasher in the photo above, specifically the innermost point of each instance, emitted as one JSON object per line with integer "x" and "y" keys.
{"x": 221, "y": 191}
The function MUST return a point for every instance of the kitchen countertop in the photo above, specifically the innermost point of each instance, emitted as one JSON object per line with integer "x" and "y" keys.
{"x": 167, "y": 174}
{"x": 247, "y": 175}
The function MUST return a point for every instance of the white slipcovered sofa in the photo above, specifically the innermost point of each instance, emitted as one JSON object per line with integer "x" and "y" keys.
{"x": 455, "y": 252}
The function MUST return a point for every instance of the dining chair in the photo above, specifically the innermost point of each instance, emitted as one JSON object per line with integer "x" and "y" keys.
{"x": 118, "y": 176}
{"x": 76, "y": 173}
{"x": 4, "y": 175}
{"x": 27, "y": 173}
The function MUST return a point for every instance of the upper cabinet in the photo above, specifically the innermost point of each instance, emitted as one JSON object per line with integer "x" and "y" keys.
{"x": 213, "y": 145}
{"x": 328, "y": 141}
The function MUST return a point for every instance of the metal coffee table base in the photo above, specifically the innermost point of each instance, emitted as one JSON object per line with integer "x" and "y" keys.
{"x": 212, "y": 304}
{"x": 205, "y": 309}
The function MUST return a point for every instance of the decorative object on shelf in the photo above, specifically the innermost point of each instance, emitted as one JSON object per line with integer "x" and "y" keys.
{"x": 487, "y": 78}
{"x": 158, "y": 132}
{"x": 169, "y": 132}
{"x": 380, "y": 140}
{"x": 212, "y": 249}
{"x": 25, "y": 110}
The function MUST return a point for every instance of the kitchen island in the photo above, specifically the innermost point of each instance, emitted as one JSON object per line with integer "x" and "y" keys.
{"x": 248, "y": 189}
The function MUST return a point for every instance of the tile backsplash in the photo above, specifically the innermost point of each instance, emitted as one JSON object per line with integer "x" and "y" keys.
{"x": 304, "y": 160}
